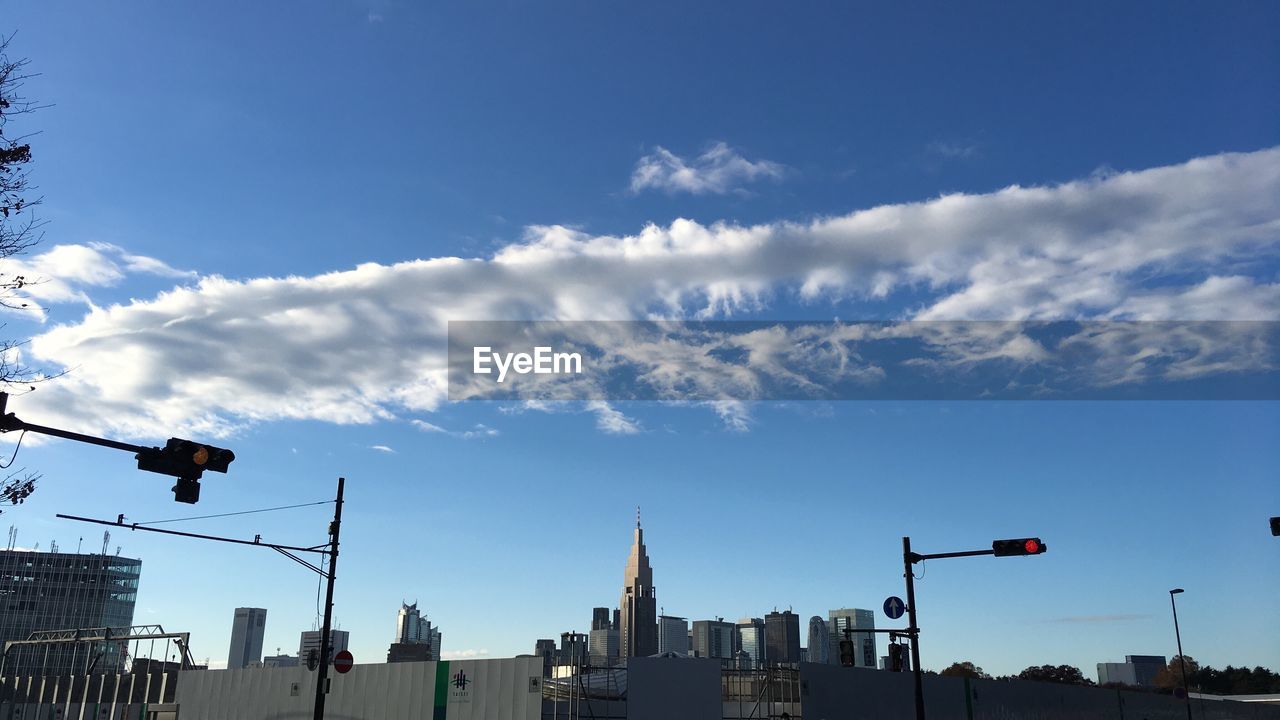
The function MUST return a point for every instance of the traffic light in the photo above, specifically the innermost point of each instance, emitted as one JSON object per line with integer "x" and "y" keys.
{"x": 1018, "y": 546}
{"x": 896, "y": 653}
{"x": 1275, "y": 526}
{"x": 187, "y": 461}
{"x": 846, "y": 653}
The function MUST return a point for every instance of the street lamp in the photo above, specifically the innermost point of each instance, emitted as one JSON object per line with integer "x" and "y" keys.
{"x": 1181, "y": 660}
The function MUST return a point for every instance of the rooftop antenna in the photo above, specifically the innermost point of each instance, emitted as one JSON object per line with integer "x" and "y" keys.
{"x": 106, "y": 538}
{"x": 637, "y": 516}
{"x": 78, "y": 544}
{"x": 13, "y": 537}
{"x": 53, "y": 546}
{"x": 117, "y": 551}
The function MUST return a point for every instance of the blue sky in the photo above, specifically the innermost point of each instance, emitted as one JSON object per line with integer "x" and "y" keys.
{"x": 237, "y": 196}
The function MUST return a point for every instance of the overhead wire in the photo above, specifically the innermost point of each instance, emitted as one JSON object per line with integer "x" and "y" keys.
{"x": 230, "y": 514}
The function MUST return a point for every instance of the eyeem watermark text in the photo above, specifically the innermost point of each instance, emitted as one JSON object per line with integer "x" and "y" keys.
{"x": 542, "y": 362}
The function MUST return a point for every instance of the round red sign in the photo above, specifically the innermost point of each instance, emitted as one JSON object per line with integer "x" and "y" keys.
{"x": 343, "y": 661}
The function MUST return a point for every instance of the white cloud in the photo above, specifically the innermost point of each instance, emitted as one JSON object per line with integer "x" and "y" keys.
{"x": 719, "y": 170}
{"x": 382, "y": 448}
{"x": 64, "y": 273}
{"x": 468, "y": 654}
{"x": 367, "y": 344}
{"x": 953, "y": 150}
{"x": 611, "y": 420}
{"x": 479, "y": 431}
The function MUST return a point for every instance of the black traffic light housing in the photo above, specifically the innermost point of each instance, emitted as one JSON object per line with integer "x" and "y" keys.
{"x": 897, "y": 651}
{"x": 1275, "y": 526}
{"x": 1018, "y": 546}
{"x": 846, "y": 653}
{"x": 186, "y": 461}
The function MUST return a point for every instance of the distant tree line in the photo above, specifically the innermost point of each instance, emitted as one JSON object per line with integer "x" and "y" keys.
{"x": 1228, "y": 681}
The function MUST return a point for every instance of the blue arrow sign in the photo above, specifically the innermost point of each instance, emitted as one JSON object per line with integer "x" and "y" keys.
{"x": 893, "y": 607}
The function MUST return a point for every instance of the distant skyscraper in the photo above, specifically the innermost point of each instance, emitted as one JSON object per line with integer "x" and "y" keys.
{"x": 819, "y": 651}
{"x": 247, "y": 629}
{"x": 782, "y": 637}
{"x": 673, "y": 634}
{"x": 751, "y": 640}
{"x": 574, "y": 649}
{"x": 339, "y": 640}
{"x": 603, "y": 647}
{"x": 601, "y": 618}
{"x": 714, "y": 639}
{"x": 639, "y": 605}
{"x": 413, "y": 628}
{"x": 545, "y": 649}
{"x": 864, "y": 654}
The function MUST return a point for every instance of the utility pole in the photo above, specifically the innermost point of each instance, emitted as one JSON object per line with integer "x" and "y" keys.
{"x": 322, "y": 680}
{"x": 913, "y": 628}
{"x": 329, "y": 549}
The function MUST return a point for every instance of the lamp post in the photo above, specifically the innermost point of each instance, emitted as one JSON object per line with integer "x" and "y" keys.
{"x": 1182, "y": 661}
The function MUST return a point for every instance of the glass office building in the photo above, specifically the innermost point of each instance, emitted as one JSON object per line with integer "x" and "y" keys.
{"x": 65, "y": 591}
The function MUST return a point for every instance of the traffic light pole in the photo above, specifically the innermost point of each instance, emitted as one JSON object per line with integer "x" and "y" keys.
{"x": 1021, "y": 546}
{"x": 323, "y": 677}
{"x": 908, "y": 559}
{"x": 182, "y": 459}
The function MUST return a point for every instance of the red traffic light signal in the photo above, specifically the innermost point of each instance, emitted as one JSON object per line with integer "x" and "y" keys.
{"x": 1018, "y": 546}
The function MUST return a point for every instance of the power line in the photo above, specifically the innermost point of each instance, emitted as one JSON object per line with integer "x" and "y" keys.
{"x": 242, "y": 512}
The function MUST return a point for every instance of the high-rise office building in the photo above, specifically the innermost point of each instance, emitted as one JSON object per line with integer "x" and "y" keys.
{"x": 639, "y": 605}
{"x": 545, "y": 648}
{"x": 673, "y": 634}
{"x": 782, "y": 637}
{"x": 574, "y": 649}
{"x": 751, "y": 640}
{"x": 864, "y": 654}
{"x": 819, "y": 650}
{"x": 413, "y": 628}
{"x": 64, "y": 591}
{"x": 247, "y": 629}
{"x": 601, "y": 618}
{"x": 339, "y": 640}
{"x": 713, "y": 639}
{"x": 603, "y": 647}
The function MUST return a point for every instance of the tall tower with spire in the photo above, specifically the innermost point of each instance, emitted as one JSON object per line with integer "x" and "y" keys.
{"x": 639, "y": 604}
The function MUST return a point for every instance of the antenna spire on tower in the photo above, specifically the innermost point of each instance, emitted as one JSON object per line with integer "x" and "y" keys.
{"x": 637, "y": 516}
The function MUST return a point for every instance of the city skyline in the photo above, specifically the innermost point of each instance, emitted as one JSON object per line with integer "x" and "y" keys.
{"x": 230, "y": 258}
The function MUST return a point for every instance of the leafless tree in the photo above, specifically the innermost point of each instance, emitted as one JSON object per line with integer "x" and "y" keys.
{"x": 20, "y": 229}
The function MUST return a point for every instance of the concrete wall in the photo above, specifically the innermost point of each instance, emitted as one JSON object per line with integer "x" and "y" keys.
{"x": 673, "y": 688}
{"x": 834, "y": 693}
{"x": 507, "y": 689}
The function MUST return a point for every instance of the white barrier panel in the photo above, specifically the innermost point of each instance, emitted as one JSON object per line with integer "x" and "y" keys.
{"x": 507, "y": 689}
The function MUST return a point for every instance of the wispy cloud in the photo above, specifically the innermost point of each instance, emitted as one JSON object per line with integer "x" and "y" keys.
{"x": 382, "y": 448}
{"x": 953, "y": 150}
{"x": 479, "y": 431}
{"x": 719, "y": 170}
{"x": 610, "y": 420}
